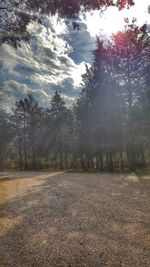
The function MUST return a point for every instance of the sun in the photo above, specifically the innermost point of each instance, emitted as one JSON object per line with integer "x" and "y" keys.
{"x": 112, "y": 20}
{"x": 107, "y": 23}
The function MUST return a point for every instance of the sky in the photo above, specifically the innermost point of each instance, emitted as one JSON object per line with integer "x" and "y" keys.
{"x": 55, "y": 59}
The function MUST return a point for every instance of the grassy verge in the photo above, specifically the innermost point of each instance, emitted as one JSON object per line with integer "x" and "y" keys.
{"x": 3, "y": 178}
{"x": 142, "y": 172}
{"x": 98, "y": 171}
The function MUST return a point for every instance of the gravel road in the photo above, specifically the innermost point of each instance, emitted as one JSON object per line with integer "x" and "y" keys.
{"x": 74, "y": 220}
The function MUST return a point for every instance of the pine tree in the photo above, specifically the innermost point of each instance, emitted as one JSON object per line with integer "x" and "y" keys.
{"x": 61, "y": 127}
{"x": 14, "y": 22}
{"x": 6, "y": 135}
{"x": 27, "y": 120}
{"x": 129, "y": 55}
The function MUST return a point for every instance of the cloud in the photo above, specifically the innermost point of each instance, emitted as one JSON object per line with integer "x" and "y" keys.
{"x": 82, "y": 43}
{"x": 53, "y": 60}
{"x": 13, "y": 91}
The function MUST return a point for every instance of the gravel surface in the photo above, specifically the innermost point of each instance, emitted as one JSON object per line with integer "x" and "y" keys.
{"x": 74, "y": 220}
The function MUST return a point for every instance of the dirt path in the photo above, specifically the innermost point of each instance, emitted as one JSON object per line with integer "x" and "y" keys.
{"x": 74, "y": 220}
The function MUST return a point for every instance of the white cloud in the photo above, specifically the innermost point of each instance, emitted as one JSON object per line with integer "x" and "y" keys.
{"x": 14, "y": 91}
{"x": 78, "y": 72}
{"x": 55, "y": 59}
{"x": 46, "y": 64}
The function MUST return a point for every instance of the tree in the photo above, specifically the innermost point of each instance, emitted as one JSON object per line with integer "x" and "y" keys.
{"x": 15, "y": 15}
{"x": 109, "y": 113}
{"x": 128, "y": 58}
{"x": 96, "y": 112}
{"x": 107, "y": 128}
{"x": 6, "y": 135}
{"x": 27, "y": 119}
{"x": 61, "y": 126}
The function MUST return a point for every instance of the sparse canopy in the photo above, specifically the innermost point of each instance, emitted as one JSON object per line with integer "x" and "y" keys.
{"x": 111, "y": 121}
{"x": 109, "y": 126}
{"x": 15, "y": 15}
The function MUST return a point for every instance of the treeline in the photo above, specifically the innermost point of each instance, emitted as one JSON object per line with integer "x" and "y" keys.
{"x": 108, "y": 128}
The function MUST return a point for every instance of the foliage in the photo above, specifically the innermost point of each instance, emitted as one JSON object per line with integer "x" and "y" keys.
{"x": 15, "y": 15}
{"x": 6, "y": 135}
{"x": 108, "y": 128}
{"x": 110, "y": 107}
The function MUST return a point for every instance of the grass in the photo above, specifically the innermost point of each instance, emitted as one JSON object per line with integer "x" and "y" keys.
{"x": 3, "y": 179}
{"x": 142, "y": 172}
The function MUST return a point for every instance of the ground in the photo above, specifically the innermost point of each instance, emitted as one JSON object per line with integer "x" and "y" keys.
{"x": 74, "y": 220}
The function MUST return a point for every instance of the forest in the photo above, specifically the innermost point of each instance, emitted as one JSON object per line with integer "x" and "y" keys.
{"x": 107, "y": 128}
{"x": 74, "y": 133}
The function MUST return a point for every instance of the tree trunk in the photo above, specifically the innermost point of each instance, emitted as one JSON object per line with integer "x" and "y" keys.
{"x": 109, "y": 161}
{"x": 24, "y": 142}
{"x": 101, "y": 163}
{"x": 131, "y": 157}
{"x": 61, "y": 158}
{"x": 66, "y": 160}
{"x": 142, "y": 157}
{"x": 1, "y": 162}
{"x": 111, "y": 167}
{"x": 121, "y": 161}
{"x": 20, "y": 160}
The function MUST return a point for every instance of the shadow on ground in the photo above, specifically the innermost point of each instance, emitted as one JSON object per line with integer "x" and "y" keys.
{"x": 75, "y": 220}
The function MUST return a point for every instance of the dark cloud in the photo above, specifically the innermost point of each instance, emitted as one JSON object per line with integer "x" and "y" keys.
{"x": 13, "y": 91}
{"x": 47, "y": 63}
{"x": 81, "y": 42}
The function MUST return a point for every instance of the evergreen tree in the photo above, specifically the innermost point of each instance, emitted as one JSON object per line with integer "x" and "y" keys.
{"x": 27, "y": 121}
{"x": 6, "y": 135}
{"x": 128, "y": 58}
{"x": 14, "y": 21}
{"x": 61, "y": 126}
